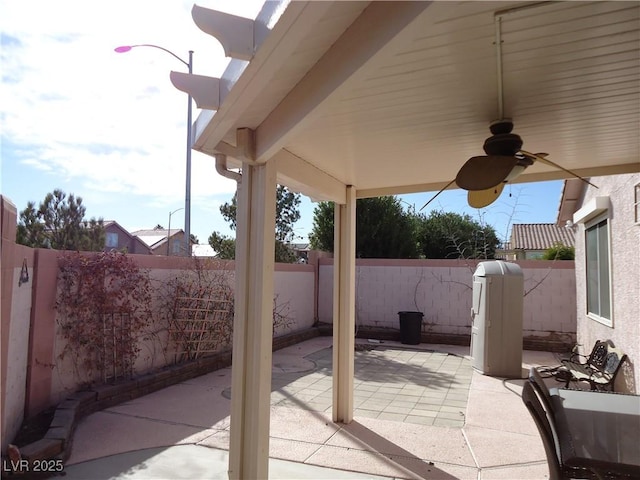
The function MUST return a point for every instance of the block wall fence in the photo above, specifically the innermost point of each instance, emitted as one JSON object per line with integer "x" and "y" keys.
{"x": 33, "y": 378}
{"x": 442, "y": 290}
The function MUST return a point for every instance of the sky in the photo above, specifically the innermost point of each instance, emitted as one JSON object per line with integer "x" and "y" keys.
{"x": 111, "y": 128}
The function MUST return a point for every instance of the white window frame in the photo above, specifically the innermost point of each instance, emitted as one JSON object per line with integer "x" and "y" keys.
{"x": 593, "y": 213}
{"x": 608, "y": 321}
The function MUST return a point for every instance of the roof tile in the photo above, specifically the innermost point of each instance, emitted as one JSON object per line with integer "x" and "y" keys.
{"x": 540, "y": 236}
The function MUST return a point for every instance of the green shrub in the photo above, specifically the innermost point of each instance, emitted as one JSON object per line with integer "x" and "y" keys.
{"x": 559, "y": 251}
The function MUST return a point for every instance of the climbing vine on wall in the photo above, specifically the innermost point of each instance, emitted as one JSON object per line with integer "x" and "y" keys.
{"x": 103, "y": 308}
{"x": 198, "y": 307}
{"x": 198, "y": 303}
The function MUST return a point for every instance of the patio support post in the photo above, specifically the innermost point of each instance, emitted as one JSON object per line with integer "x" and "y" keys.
{"x": 253, "y": 323}
{"x": 344, "y": 267}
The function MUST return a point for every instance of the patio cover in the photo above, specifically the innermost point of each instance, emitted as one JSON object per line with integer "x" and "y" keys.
{"x": 343, "y": 100}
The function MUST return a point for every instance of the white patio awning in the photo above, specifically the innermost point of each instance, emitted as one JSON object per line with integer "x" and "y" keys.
{"x": 393, "y": 97}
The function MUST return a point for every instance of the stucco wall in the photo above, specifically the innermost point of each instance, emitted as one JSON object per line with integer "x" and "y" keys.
{"x": 294, "y": 295}
{"x": 625, "y": 277}
{"x": 293, "y": 292}
{"x": 15, "y": 307}
{"x": 43, "y": 328}
{"x": 17, "y": 348}
{"x": 442, "y": 290}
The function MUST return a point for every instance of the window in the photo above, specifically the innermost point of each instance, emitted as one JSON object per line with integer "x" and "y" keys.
{"x": 112, "y": 239}
{"x": 595, "y": 217}
{"x": 598, "y": 270}
{"x": 175, "y": 246}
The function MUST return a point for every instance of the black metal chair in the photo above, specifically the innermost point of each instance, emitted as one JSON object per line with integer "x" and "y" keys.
{"x": 546, "y": 427}
{"x": 533, "y": 404}
{"x": 599, "y": 369}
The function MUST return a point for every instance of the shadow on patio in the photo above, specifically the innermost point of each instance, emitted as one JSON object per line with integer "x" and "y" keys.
{"x": 455, "y": 422}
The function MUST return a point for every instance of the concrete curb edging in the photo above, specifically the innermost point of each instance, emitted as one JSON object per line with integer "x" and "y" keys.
{"x": 57, "y": 441}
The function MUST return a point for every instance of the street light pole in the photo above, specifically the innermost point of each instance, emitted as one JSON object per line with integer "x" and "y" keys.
{"x": 169, "y": 229}
{"x": 187, "y": 196}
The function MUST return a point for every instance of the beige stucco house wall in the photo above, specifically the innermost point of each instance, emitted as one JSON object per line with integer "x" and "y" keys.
{"x": 624, "y": 242}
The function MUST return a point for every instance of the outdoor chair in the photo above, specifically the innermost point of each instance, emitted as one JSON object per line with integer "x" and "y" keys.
{"x": 536, "y": 380}
{"x": 599, "y": 369}
{"x": 547, "y": 430}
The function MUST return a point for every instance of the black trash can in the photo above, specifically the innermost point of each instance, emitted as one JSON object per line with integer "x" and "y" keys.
{"x": 410, "y": 327}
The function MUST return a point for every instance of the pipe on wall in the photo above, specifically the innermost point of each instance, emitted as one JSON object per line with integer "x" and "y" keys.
{"x": 222, "y": 169}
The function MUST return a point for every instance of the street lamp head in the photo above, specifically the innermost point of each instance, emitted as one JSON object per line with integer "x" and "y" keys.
{"x": 127, "y": 48}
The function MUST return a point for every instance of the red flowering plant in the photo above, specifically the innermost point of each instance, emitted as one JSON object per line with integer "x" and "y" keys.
{"x": 103, "y": 309}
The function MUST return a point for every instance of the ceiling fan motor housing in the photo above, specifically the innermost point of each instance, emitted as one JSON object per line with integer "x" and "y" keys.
{"x": 502, "y": 142}
{"x": 507, "y": 144}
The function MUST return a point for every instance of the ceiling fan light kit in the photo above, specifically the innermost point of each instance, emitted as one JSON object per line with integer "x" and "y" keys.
{"x": 484, "y": 198}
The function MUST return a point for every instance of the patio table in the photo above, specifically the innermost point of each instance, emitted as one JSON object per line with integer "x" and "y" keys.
{"x": 599, "y": 431}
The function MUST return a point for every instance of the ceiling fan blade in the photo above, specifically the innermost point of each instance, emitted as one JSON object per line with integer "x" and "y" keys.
{"x": 542, "y": 158}
{"x": 434, "y": 197}
{"x": 483, "y": 198}
{"x": 484, "y": 172}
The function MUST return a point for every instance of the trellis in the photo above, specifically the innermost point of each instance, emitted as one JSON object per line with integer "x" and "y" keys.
{"x": 117, "y": 355}
{"x": 201, "y": 323}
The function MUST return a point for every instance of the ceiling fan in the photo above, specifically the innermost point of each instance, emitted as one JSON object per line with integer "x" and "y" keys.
{"x": 485, "y": 176}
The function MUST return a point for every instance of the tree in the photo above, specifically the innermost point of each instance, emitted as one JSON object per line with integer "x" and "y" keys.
{"x": 31, "y": 230}
{"x": 287, "y": 214}
{"x": 383, "y": 228}
{"x": 451, "y": 235}
{"x": 59, "y": 223}
{"x": 321, "y": 236}
{"x": 225, "y": 247}
{"x": 92, "y": 237}
{"x": 559, "y": 251}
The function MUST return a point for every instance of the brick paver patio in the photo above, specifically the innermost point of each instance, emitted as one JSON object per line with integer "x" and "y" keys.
{"x": 398, "y": 384}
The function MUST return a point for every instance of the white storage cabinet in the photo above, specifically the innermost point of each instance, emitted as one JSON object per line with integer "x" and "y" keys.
{"x": 496, "y": 319}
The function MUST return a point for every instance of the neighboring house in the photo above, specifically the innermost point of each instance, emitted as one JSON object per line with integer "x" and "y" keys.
{"x": 162, "y": 241}
{"x": 530, "y": 240}
{"x": 117, "y": 238}
{"x": 607, "y": 224}
{"x": 302, "y": 251}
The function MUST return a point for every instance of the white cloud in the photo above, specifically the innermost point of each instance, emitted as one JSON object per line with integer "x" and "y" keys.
{"x": 107, "y": 123}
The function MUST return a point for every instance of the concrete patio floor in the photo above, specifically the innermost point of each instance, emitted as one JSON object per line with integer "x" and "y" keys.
{"x": 420, "y": 412}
